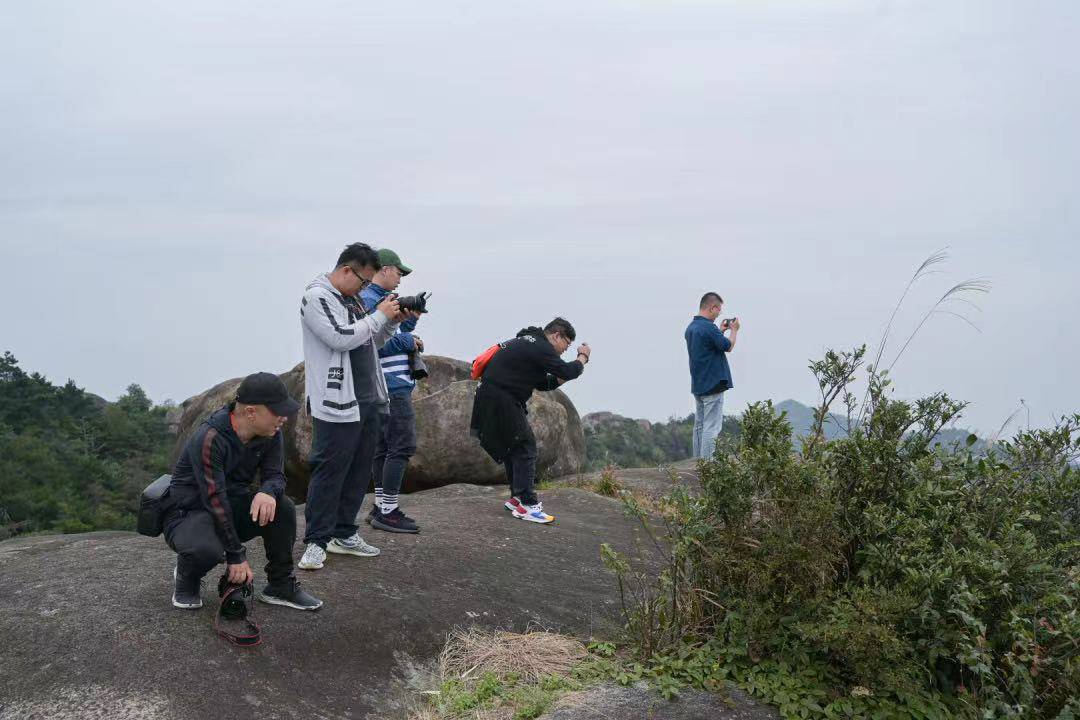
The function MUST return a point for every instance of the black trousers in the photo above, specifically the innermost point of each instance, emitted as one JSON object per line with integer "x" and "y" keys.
{"x": 193, "y": 535}
{"x": 341, "y": 458}
{"x": 520, "y": 465}
{"x": 397, "y": 443}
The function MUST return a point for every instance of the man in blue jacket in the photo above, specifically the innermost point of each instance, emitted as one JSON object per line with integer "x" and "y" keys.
{"x": 398, "y": 440}
{"x": 710, "y": 375}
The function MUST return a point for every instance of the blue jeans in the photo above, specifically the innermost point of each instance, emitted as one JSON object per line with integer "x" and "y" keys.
{"x": 708, "y": 420}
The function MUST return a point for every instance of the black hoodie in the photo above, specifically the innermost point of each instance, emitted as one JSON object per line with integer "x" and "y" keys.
{"x": 527, "y": 363}
{"x": 216, "y": 467}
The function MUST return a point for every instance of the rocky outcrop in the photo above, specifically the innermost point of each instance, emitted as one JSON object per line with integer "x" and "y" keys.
{"x": 89, "y": 632}
{"x": 446, "y": 452}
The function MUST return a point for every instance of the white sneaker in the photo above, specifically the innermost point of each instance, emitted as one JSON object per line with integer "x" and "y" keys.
{"x": 313, "y": 558}
{"x": 535, "y": 513}
{"x": 354, "y": 545}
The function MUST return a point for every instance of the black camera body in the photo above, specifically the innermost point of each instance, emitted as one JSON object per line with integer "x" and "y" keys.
{"x": 728, "y": 321}
{"x": 414, "y": 303}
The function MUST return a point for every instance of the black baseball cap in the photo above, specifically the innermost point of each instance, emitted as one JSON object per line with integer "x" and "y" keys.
{"x": 265, "y": 388}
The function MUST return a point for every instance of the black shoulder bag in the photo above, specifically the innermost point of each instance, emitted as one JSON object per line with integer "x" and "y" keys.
{"x": 152, "y": 506}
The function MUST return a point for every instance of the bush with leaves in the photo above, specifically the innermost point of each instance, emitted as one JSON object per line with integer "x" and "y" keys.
{"x": 68, "y": 463}
{"x": 875, "y": 575}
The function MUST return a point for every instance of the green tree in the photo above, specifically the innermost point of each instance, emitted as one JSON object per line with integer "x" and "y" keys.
{"x": 67, "y": 464}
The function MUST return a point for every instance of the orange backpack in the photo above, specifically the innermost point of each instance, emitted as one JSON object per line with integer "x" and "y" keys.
{"x": 483, "y": 359}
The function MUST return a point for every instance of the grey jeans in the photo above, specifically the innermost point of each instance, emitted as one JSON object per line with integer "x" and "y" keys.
{"x": 708, "y": 420}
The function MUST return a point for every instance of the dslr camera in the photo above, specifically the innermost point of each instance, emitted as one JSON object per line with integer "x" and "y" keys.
{"x": 415, "y": 303}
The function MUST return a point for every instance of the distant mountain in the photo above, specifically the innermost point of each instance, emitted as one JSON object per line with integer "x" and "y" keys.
{"x": 629, "y": 442}
{"x": 801, "y": 418}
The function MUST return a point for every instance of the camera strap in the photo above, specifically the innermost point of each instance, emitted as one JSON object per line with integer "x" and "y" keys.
{"x": 236, "y": 605}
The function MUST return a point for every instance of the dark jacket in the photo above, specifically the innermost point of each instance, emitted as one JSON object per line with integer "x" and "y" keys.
{"x": 526, "y": 363}
{"x": 707, "y": 347}
{"x": 216, "y": 467}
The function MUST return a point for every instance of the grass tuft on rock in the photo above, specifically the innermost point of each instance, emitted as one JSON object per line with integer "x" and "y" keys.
{"x": 500, "y": 675}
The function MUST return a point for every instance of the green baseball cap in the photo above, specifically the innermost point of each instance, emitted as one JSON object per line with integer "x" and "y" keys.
{"x": 389, "y": 257}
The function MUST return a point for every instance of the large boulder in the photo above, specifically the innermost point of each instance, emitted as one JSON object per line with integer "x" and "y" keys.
{"x": 446, "y": 451}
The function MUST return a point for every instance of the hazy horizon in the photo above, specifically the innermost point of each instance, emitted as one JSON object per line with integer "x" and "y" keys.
{"x": 175, "y": 175}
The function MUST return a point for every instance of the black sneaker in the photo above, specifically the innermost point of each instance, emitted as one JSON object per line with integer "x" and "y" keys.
{"x": 187, "y": 593}
{"x": 289, "y": 594}
{"x": 395, "y": 521}
{"x": 371, "y": 515}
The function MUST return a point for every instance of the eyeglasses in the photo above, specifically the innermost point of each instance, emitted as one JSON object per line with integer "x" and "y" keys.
{"x": 357, "y": 274}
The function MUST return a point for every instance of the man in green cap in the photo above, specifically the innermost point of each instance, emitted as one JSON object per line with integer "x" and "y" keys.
{"x": 398, "y": 441}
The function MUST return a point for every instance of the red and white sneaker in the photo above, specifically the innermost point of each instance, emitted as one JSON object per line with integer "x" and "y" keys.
{"x": 515, "y": 507}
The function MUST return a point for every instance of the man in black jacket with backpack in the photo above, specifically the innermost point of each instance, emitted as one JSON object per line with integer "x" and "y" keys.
{"x": 530, "y": 361}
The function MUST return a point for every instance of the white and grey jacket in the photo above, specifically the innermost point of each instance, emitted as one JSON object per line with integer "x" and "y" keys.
{"x": 333, "y": 325}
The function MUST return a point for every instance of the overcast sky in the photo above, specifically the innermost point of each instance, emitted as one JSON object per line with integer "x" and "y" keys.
{"x": 173, "y": 174}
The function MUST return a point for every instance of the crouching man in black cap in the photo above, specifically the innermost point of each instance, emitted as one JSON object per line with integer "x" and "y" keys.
{"x": 214, "y": 506}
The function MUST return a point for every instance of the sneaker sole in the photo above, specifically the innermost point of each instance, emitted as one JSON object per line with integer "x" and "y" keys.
{"x": 390, "y": 528}
{"x": 183, "y": 606}
{"x": 331, "y": 548}
{"x": 270, "y": 599}
{"x": 530, "y": 518}
{"x": 302, "y": 566}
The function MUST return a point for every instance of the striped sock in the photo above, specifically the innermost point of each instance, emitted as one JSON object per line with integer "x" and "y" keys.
{"x": 378, "y": 498}
{"x": 389, "y": 503}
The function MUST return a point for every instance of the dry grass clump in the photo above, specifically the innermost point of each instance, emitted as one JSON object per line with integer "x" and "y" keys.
{"x": 469, "y": 653}
{"x": 497, "y": 675}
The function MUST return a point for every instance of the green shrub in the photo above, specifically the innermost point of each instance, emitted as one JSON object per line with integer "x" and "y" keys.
{"x": 608, "y": 484}
{"x": 876, "y": 575}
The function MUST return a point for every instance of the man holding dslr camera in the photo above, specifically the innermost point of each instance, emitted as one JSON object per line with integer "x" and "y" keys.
{"x": 710, "y": 375}
{"x": 346, "y": 397}
{"x": 398, "y": 357}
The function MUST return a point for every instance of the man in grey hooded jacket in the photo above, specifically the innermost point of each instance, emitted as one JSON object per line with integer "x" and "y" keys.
{"x": 346, "y": 397}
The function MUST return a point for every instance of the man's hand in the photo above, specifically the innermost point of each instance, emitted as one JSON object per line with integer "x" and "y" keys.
{"x": 735, "y": 324}
{"x": 241, "y": 574}
{"x": 419, "y": 343}
{"x": 391, "y": 308}
{"x": 263, "y": 508}
{"x": 584, "y": 349}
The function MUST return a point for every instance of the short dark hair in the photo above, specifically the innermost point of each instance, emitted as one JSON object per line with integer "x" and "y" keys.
{"x": 360, "y": 253}
{"x": 708, "y": 298}
{"x": 561, "y": 326}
